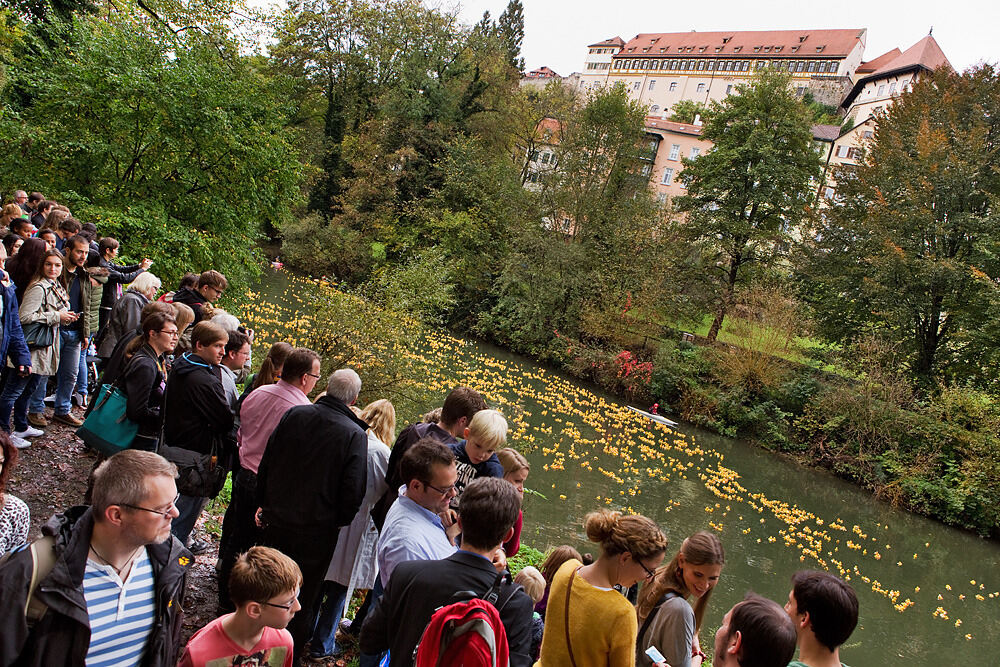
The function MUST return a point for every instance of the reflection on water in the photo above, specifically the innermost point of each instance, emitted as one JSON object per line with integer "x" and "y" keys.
{"x": 928, "y": 593}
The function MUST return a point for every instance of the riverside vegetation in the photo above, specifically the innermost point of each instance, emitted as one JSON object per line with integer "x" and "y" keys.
{"x": 387, "y": 146}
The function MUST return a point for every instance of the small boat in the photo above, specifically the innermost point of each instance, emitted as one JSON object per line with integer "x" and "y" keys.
{"x": 650, "y": 415}
{"x": 277, "y": 266}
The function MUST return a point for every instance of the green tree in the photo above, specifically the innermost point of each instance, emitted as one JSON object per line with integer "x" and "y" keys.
{"x": 510, "y": 30}
{"x": 910, "y": 250}
{"x": 748, "y": 194}
{"x": 685, "y": 111}
{"x": 127, "y": 115}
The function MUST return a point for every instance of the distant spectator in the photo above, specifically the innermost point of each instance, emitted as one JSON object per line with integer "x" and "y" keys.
{"x": 353, "y": 565}
{"x": 553, "y": 561}
{"x": 310, "y": 483}
{"x": 49, "y": 237}
{"x": 9, "y": 214}
{"x": 824, "y": 610}
{"x": 23, "y": 267}
{"x": 270, "y": 368}
{"x": 21, "y": 199}
{"x": 237, "y": 354}
{"x": 754, "y": 633}
{"x": 12, "y": 243}
{"x": 14, "y": 516}
{"x": 143, "y": 377}
{"x": 534, "y": 585}
{"x": 259, "y": 415}
{"x": 432, "y": 417}
{"x": 515, "y": 471}
{"x": 476, "y": 455}
{"x": 22, "y": 227}
{"x": 197, "y": 416}
{"x": 33, "y": 199}
{"x": 416, "y": 589}
{"x": 41, "y": 213}
{"x": 125, "y": 315}
{"x": 118, "y": 275}
{"x": 264, "y": 585}
{"x": 211, "y": 285}
{"x": 80, "y": 289}
{"x": 599, "y": 623}
{"x": 112, "y": 368}
{"x": 118, "y": 547}
{"x": 56, "y": 217}
{"x": 185, "y": 322}
{"x": 68, "y": 228}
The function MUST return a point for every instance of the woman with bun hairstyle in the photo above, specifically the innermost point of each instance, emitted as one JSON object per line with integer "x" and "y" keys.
{"x": 588, "y": 623}
{"x": 666, "y": 619}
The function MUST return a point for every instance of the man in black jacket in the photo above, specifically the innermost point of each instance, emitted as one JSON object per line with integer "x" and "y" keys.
{"x": 197, "y": 414}
{"x": 310, "y": 483}
{"x": 417, "y": 588}
{"x": 119, "y": 549}
{"x": 211, "y": 285}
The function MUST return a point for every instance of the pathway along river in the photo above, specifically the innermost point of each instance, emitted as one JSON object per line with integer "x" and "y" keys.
{"x": 929, "y": 594}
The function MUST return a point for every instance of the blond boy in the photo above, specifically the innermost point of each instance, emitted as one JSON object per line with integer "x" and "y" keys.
{"x": 264, "y": 586}
{"x": 476, "y": 455}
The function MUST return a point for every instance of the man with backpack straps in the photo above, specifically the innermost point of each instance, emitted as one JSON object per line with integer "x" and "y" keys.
{"x": 418, "y": 588}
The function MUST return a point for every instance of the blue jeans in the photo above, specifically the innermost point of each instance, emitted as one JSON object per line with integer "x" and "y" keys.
{"x": 324, "y": 636}
{"x": 36, "y": 401}
{"x": 69, "y": 366}
{"x": 81, "y": 376}
{"x": 14, "y": 397}
{"x": 190, "y": 509}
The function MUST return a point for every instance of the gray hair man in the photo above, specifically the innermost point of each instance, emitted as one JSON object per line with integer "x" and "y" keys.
{"x": 310, "y": 483}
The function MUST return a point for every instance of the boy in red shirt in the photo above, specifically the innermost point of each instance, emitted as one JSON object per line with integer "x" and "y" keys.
{"x": 264, "y": 586}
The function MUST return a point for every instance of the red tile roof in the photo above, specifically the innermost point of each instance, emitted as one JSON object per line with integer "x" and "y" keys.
{"x": 826, "y": 132}
{"x": 821, "y": 43}
{"x": 924, "y": 55}
{"x": 614, "y": 41}
{"x": 873, "y": 65}
{"x": 655, "y": 122}
{"x": 541, "y": 73}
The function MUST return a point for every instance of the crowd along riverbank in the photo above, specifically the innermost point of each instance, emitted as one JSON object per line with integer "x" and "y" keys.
{"x": 929, "y": 593}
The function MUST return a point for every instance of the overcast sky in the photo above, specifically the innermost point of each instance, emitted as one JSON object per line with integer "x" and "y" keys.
{"x": 557, "y": 32}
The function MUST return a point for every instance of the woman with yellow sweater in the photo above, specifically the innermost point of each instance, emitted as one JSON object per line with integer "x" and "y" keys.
{"x": 588, "y": 623}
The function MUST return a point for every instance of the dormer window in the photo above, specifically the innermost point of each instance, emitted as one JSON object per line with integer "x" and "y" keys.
{"x": 631, "y": 49}
{"x": 819, "y": 49}
{"x": 756, "y": 49}
{"x": 663, "y": 49}
{"x": 767, "y": 49}
{"x": 777, "y": 49}
{"x": 803, "y": 38}
{"x": 718, "y": 48}
{"x": 701, "y": 49}
{"x": 795, "y": 49}
{"x": 725, "y": 40}
{"x": 645, "y": 49}
{"x": 654, "y": 40}
{"x": 737, "y": 49}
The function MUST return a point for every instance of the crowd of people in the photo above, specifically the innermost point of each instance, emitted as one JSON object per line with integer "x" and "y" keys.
{"x": 326, "y": 500}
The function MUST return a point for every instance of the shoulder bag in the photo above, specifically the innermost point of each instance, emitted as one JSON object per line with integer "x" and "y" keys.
{"x": 569, "y": 641}
{"x": 107, "y": 429}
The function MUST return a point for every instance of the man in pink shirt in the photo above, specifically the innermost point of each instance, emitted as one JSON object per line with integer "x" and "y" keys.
{"x": 260, "y": 414}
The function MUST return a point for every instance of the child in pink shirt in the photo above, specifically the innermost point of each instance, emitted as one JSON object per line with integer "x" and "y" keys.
{"x": 264, "y": 586}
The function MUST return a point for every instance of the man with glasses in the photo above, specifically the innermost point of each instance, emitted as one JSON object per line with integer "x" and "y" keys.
{"x": 413, "y": 530}
{"x": 211, "y": 285}
{"x": 260, "y": 413}
{"x": 489, "y": 508}
{"x": 310, "y": 483}
{"x": 114, "y": 593}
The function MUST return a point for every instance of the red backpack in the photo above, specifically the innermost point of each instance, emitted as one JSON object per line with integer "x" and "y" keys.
{"x": 465, "y": 634}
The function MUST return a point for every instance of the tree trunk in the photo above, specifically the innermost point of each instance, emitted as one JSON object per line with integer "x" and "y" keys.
{"x": 727, "y": 296}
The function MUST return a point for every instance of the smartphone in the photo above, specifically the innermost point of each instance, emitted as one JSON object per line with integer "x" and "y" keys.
{"x": 655, "y": 655}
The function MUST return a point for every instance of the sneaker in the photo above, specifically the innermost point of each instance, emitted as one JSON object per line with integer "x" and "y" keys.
{"x": 37, "y": 419}
{"x": 68, "y": 419}
{"x": 78, "y": 399}
{"x": 51, "y": 398}
{"x": 20, "y": 443}
{"x": 29, "y": 433}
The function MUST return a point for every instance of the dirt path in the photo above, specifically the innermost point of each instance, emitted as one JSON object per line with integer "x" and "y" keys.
{"x": 51, "y": 475}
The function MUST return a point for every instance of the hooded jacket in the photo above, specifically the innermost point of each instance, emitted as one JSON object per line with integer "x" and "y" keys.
{"x": 194, "y": 299}
{"x": 62, "y": 635}
{"x": 125, "y": 317}
{"x": 195, "y": 408}
{"x": 12, "y": 337}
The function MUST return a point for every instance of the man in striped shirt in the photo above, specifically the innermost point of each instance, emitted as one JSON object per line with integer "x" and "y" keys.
{"x": 115, "y": 593}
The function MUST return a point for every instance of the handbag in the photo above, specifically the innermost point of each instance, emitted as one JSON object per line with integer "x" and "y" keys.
{"x": 106, "y": 429}
{"x": 39, "y": 335}
{"x": 198, "y": 475}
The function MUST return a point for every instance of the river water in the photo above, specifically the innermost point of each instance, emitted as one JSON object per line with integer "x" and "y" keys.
{"x": 929, "y": 594}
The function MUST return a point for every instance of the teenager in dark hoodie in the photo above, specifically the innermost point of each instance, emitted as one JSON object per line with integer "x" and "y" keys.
{"x": 211, "y": 285}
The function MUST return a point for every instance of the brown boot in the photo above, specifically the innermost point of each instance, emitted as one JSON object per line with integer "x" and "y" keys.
{"x": 68, "y": 419}
{"x": 38, "y": 419}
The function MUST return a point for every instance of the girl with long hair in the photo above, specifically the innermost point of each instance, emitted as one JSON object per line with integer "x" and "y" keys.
{"x": 667, "y": 621}
{"x": 588, "y": 622}
{"x": 515, "y": 471}
{"x": 144, "y": 376}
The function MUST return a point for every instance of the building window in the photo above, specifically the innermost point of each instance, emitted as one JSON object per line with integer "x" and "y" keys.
{"x": 652, "y": 84}
{"x": 881, "y": 90}
{"x": 675, "y": 151}
{"x": 668, "y": 176}
{"x": 636, "y": 85}
{"x": 694, "y": 153}
{"x": 661, "y": 198}
{"x": 701, "y": 87}
{"x": 701, "y": 64}
{"x": 892, "y": 88}
{"x": 867, "y": 134}
{"x": 844, "y": 151}
{"x": 673, "y": 86}
{"x": 729, "y": 89}
{"x": 664, "y": 64}
{"x": 828, "y": 192}
{"x": 812, "y": 66}
{"x": 800, "y": 66}
{"x": 655, "y": 108}
{"x": 647, "y": 169}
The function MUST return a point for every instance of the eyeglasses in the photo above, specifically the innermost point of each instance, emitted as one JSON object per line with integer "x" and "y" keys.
{"x": 312, "y": 375}
{"x": 164, "y": 513}
{"x": 444, "y": 492}
{"x": 286, "y": 607}
{"x": 649, "y": 573}
{"x": 172, "y": 334}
